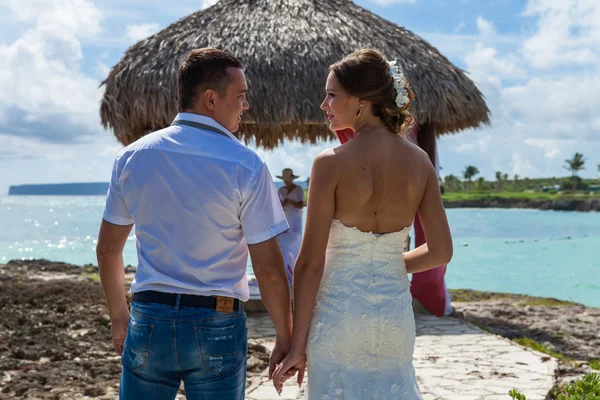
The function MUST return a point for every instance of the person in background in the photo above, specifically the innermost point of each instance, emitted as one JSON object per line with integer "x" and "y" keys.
{"x": 292, "y": 200}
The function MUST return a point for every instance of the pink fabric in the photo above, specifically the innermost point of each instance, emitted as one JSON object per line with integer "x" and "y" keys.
{"x": 345, "y": 135}
{"x": 428, "y": 287}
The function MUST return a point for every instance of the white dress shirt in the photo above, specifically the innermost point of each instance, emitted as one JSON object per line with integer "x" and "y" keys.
{"x": 197, "y": 198}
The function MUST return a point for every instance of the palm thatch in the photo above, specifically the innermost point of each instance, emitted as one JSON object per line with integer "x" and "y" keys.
{"x": 286, "y": 47}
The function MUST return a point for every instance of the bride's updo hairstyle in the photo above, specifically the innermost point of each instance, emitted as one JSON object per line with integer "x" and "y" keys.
{"x": 366, "y": 74}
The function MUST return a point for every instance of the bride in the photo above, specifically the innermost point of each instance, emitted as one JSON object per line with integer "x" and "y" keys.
{"x": 354, "y": 328}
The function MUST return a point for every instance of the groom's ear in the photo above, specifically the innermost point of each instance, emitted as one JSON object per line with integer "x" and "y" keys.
{"x": 209, "y": 99}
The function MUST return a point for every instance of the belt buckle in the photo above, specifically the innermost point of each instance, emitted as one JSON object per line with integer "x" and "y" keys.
{"x": 224, "y": 304}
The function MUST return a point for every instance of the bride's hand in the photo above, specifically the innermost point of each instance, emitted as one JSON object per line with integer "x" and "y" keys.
{"x": 294, "y": 362}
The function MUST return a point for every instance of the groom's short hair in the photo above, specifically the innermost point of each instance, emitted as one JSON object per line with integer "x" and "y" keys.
{"x": 203, "y": 69}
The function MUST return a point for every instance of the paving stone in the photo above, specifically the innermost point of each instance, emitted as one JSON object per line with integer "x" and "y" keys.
{"x": 268, "y": 392}
{"x": 453, "y": 360}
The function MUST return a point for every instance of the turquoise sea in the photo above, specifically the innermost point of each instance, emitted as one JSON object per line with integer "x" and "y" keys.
{"x": 541, "y": 253}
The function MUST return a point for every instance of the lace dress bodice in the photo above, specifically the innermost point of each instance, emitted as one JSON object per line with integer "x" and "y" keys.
{"x": 362, "y": 335}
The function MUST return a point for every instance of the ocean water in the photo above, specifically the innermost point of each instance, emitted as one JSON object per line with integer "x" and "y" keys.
{"x": 541, "y": 253}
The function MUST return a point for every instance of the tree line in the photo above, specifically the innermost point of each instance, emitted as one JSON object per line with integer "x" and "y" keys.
{"x": 574, "y": 165}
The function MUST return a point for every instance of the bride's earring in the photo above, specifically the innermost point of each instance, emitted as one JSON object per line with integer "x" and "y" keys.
{"x": 359, "y": 110}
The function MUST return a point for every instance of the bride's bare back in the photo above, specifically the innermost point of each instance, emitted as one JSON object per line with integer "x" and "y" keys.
{"x": 381, "y": 180}
{"x": 378, "y": 182}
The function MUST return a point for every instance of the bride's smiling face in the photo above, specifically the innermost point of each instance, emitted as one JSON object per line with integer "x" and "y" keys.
{"x": 341, "y": 108}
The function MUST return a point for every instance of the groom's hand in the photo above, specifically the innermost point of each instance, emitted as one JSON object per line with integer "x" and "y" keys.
{"x": 119, "y": 333}
{"x": 280, "y": 351}
{"x": 293, "y": 362}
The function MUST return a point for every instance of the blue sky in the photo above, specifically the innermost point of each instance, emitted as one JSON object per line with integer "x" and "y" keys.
{"x": 536, "y": 61}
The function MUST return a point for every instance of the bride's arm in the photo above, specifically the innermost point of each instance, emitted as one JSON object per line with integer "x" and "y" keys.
{"x": 309, "y": 266}
{"x": 310, "y": 263}
{"x": 438, "y": 247}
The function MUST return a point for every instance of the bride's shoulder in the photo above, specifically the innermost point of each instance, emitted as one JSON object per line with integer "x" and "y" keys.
{"x": 415, "y": 150}
{"x": 328, "y": 155}
{"x": 326, "y": 161}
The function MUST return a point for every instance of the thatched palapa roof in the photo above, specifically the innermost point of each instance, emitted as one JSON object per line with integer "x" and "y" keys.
{"x": 286, "y": 47}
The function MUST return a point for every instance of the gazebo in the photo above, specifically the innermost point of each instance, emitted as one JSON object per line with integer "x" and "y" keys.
{"x": 286, "y": 47}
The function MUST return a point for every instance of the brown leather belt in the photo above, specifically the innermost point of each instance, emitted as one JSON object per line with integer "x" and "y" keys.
{"x": 217, "y": 303}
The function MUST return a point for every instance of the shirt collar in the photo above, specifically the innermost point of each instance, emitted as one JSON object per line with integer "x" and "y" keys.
{"x": 203, "y": 119}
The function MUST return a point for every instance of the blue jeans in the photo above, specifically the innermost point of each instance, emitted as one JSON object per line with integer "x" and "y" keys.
{"x": 201, "y": 347}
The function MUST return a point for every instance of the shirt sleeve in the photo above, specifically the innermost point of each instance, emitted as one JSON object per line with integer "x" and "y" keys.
{"x": 262, "y": 216}
{"x": 115, "y": 210}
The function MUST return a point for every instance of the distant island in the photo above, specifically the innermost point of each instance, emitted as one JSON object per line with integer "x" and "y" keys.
{"x": 60, "y": 189}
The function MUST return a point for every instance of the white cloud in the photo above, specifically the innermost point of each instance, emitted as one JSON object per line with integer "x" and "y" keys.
{"x": 43, "y": 93}
{"x": 33, "y": 161}
{"x": 14, "y": 148}
{"x": 485, "y": 62}
{"x": 538, "y": 120}
{"x": 551, "y": 147}
{"x": 293, "y": 155}
{"x": 137, "y": 32}
{"x": 568, "y": 33}
{"x": 460, "y": 27}
{"x": 59, "y": 18}
{"x": 523, "y": 166}
{"x": 207, "y": 3}
{"x": 479, "y": 145}
{"x": 485, "y": 27}
{"x": 564, "y": 107}
{"x": 102, "y": 70}
{"x": 111, "y": 150}
{"x": 466, "y": 148}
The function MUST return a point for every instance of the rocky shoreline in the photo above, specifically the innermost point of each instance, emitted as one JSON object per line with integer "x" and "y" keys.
{"x": 567, "y": 331}
{"x": 55, "y": 340}
{"x": 55, "y": 333}
{"x": 585, "y": 205}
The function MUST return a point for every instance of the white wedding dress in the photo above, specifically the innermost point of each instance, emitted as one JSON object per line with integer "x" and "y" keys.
{"x": 362, "y": 334}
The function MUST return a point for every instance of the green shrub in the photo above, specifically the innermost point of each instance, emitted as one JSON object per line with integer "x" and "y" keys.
{"x": 532, "y": 344}
{"x": 587, "y": 388}
{"x": 515, "y": 394}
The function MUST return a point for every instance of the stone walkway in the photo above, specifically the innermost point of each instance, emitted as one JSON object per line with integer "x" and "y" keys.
{"x": 453, "y": 360}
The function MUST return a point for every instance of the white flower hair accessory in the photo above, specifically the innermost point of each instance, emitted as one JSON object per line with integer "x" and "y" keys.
{"x": 402, "y": 98}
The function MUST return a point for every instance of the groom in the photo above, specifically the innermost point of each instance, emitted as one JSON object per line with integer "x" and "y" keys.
{"x": 200, "y": 201}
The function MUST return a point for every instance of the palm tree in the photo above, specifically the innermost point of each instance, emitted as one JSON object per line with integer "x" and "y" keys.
{"x": 480, "y": 183}
{"x": 499, "y": 179}
{"x": 469, "y": 173}
{"x": 575, "y": 165}
{"x": 451, "y": 182}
